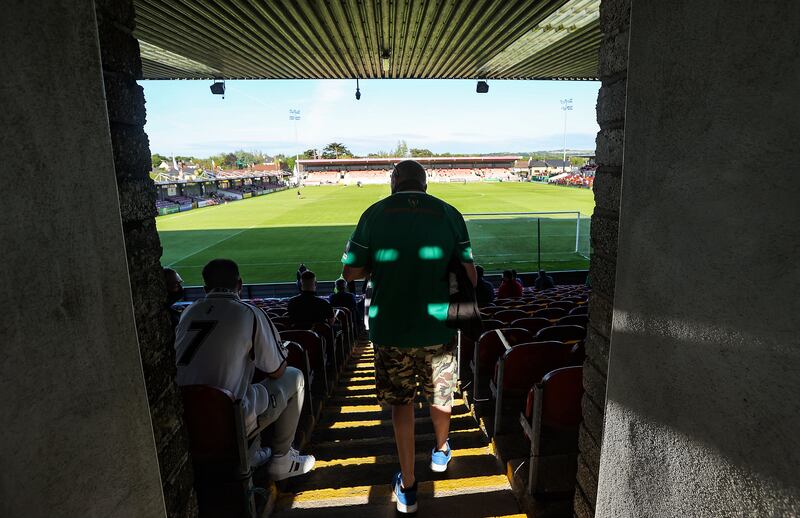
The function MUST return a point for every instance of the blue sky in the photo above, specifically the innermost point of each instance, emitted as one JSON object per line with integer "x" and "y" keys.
{"x": 184, "y": 118}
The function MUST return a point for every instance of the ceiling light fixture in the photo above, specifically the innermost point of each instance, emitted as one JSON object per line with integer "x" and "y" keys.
{"x": 482, "y": 88}
{"x": 218, "y": 88}
{"x": 385, "y": 55}
{"x": 358, "y": 92}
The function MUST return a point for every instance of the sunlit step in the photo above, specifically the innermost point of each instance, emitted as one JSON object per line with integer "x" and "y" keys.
{"x": 357, "y": 409}
{"x": 392, "y": 459}
{"x": 356, "y": 388}
{"x": 358, "y": 378}
{"x": 359, "y": 495}
{"x": 389, "y": 439}
{"x": 456, "y": 418}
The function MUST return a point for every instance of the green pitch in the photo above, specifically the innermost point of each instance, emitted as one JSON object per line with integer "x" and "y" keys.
{"x": 269, "y": 236}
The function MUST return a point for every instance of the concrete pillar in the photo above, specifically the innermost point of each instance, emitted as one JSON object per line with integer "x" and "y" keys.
{"x": 121, "y": 64}
{"x": 702, "y": 412}
{"x": 613, "y": 59}
{"x": 76, "y": 438}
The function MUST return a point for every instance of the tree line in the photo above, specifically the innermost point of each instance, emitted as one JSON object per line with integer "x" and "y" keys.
{"x": 241, "y": 159}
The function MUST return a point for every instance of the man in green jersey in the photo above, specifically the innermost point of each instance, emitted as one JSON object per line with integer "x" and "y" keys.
{"x": 405, "y": 243}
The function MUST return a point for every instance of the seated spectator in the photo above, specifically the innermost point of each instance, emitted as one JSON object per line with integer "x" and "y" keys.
{"x": 484, "y": 291}
{"x": 220, "y": 342}
{"x": 516, "y": 278}
{"x": 341, "y": 298}
{"x": 307, "y": 309}
{"x": 543, "y": 281}
{"x": 174, "y": 294}
{"x": 509, "y": 288}
{"x": 300, "y": 271}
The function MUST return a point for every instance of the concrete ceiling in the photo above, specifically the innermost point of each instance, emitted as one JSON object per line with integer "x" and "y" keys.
{"x": 329, "y": 39}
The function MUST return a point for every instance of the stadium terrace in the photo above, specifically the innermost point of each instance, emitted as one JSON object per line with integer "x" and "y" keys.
{"x": 662, "y": 382}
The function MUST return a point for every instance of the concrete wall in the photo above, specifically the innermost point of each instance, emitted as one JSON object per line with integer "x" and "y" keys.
{"x": 126, "y": 112}
{"x": 76, "y": 438}
{"x": 613, "y": 58}
{"x": 702, "y": 413}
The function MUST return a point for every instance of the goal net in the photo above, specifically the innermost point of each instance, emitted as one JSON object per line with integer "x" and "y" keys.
{"x": 527, "y": 241}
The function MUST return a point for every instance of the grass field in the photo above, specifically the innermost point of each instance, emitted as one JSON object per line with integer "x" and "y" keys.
{"x": 270, "y": 235}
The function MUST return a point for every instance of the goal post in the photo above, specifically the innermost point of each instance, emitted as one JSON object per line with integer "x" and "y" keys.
{"x": 526, "y": 240}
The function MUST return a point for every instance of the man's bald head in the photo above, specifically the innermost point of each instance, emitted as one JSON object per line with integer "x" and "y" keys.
{"x": 409, "y": 175}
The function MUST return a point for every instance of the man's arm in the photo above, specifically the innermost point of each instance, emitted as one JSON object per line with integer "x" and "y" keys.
{"x": 472, "y": 273}
{"x": 278, "y": 373}
{"x": 353, "y": 273}
{"x": 270, "y": 357}
{"x": 356, "y": 258}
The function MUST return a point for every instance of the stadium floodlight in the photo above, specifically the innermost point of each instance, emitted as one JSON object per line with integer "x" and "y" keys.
{"x": 218, "y": 88}
{"x": 482, "y": 88}
{"x": 358, "y": 92}
{"x": 566, "y": 106}
{"x": 294, "y": 115}
{"x": 385, "y": 55}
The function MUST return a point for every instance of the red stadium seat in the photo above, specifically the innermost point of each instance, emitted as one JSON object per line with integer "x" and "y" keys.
{"x": 580, "y": 310}
{"x": 491, "y": 310}
{"x": 551, "y": 314}
{"x": 490, "y": 346}
{"x": 533, "y": 325}
{"x": 280, "y": 326}
{"x": 298, "y": 358}
{"x": 552, "y": 415}
{"x": 332, "y": 342}
{"x": 530, "y": 307}
{"x": 314, "y": 345}
{"x": 563, "y": 304}
{"x": 574, "y": 320}
{"x": 520, "y": 367}
{"x": 218, "y": 447}
{"x": 568, "y": 334}
{"x": 509, "y": 315}
{"x": 284, "y": 321}
{"x": 490, "y": 324}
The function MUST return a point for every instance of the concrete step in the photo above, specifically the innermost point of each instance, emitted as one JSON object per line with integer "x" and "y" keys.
{"x": 385, "y": 445}
{"x": 353, "y": 442}
{"x": 341, "y": 473}
{"x": 371, "y": 412}
{"x": 499, "y": 504}
{"x": 380, "y": 428}
{"x": 382, "y": 493}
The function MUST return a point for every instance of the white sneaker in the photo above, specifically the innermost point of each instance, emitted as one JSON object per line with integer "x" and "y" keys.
{"x": 260, "y": 457}
{"x": 290, "y": 465}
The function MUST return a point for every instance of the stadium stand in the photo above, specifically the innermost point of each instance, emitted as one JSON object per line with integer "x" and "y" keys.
{"x": 352, "y": 171}
{"x": 164, "y": 204}
{"x": 528, "y": 363}
{"x": 323, "y": 178}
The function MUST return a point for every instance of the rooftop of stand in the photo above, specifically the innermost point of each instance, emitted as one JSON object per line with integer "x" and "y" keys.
{"x": 336, "y": 39}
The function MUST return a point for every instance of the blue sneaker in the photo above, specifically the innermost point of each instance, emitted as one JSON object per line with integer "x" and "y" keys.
{"x": 406, "y": 498}
{"x": 440, "y": 459}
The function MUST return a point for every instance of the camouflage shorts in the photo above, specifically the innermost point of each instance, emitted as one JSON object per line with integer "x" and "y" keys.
{"x": 397, "y": 372}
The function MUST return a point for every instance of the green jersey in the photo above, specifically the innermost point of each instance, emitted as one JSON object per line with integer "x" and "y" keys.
{"x": 406, "y": 241}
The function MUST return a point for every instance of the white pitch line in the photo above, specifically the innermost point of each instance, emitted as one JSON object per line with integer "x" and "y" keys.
{"x": 210, "y": 245}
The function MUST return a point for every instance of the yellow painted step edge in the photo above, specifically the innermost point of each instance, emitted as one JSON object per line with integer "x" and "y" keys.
{"x": 388, "y": 459}
{"x": 358, "y": 409}
{"x": 364, "y": 494}
{"x": 368, "y": 423}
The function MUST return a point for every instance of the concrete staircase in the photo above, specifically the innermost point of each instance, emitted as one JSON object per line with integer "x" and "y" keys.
{"x": 356, "y": 458}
